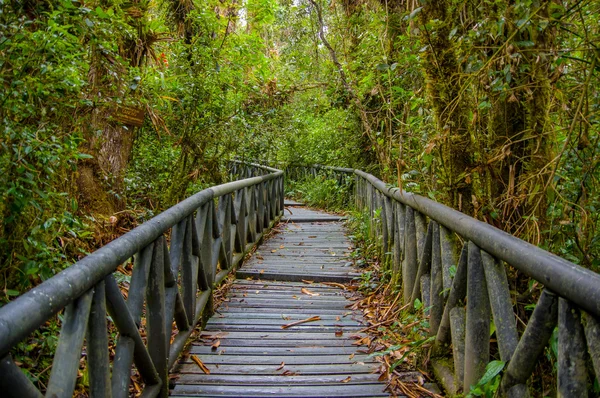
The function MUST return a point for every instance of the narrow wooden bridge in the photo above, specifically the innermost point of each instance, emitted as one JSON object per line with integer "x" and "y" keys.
{"x": 255, "y": 345}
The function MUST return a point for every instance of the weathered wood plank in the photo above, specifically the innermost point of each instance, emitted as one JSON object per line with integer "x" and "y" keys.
{"x": 244, "y": 346}
{"x": 341, "y": 390}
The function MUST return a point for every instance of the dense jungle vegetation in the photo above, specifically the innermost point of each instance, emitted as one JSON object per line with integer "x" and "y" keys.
{"x": 491, "y": 107}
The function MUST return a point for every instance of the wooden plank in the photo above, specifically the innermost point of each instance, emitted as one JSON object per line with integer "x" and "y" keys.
{"x": 254, "y": 350}
{"x": 248, "y": 360}
{"x": 281, "y": 320}
{"x": 276, "y": 335}
{"x": 274, "y": 275}
{"x": 275, "y": 380}
{"x": 341, "y": 390}
{"x": 318, "y": 357}
{"x": 289, "y": 342}
{"x": 312, "y": 369}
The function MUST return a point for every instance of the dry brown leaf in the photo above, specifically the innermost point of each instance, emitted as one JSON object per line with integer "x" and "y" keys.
{"x": 335, "y": 284}
{"x": 281, "y": 366}
{"x": 282, "y": 247}
{"x": 274, "y": 251}
{"x": 339, "y": 333}
{"x": 289, "y": 373}
{"x": 311, "y": 319}
{"x": 346, "y": 380}
{"x": 216, "y": 345}
{"x": 307, "y": 282}
{"x": 308, "y": 292}
{"x": 201, "y": 365}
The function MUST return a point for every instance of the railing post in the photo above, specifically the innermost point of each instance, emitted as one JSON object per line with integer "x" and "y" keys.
{"x": 97, "y": 346}
{"x": 409, "y": 265}
{"x": 531, "y": 346}
{"x": 157, "y": 316}
{"x": 572, "y": 374}
{"x": 477, "y": 330}
{"x": 437, "y": 284}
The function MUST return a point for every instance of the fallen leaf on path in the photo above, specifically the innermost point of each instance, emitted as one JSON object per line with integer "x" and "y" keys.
{"x": 281, "y": 366}
{"x": 282, "y": 247}
{"x": 339, "y": 333}
{"x": 307, "y": 282}
{"x": 311, "y": 319}
{"x": 216, "y": 345}
{"x": 346, "y": 380}
{"x": 308, "y": 292}
{"x": 335, "y": 284}
{"x": 200, "y": 364}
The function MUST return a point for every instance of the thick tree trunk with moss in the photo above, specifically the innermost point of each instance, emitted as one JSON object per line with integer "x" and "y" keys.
{"x": 445, "y": 91}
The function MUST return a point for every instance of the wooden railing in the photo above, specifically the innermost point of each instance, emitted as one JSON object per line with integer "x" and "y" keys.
{"x": 456, "y": 265}
{"x": 179, "y": 257}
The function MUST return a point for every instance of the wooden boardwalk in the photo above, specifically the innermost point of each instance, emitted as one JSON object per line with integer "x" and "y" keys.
{"x": 244, "y": 345}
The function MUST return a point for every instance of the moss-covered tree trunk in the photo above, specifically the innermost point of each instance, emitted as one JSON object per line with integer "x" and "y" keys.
{"x": 446, "y": 96}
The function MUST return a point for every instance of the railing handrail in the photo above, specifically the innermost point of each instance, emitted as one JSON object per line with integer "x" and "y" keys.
{"x": 569, "y": 280}
{"x": 29, "y": 311}
{"x": 420, "y": 244}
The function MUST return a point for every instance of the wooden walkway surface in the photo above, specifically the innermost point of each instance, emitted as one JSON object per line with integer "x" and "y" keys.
{"x": 244, "y": 346}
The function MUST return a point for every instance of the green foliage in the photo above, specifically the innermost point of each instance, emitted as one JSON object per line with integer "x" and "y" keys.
{"x": 489, "y": 383}
{"x": 42, "y": 74}
{"x": 323, "y": 192}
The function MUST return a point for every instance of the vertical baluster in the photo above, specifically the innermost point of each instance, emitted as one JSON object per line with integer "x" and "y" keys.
{"x": 177, "y": 242}
{"x": 502, "y": 310}
{"x": 458, "y": 292}
{"x": 396, "y": 250}
{"x": 217, "y": 244}
{"x": 267, "y": 203}
{"x": 97, "y": 345}
{"x": 68, "y": 352}
{"x": 224, "y": 217}
{"x": 189, "y": 275}
{"x": 421, "y": 231}
{"x": 572, "y": 374}
{"x": 260, "y": 208}
{"x": 384, "y": 231}
{"x": 409, "y": 265}
{"x": 426, "y": 287}
{"x": 14, "y": 383}
{"x": 449, "y": 258}
{"x": 399, "y": 223}
{"x": 139, "y": 282}
{"x": 537, "y": 333}
{"x": 281, "y": 195}
{"x": 240, "y": 210}
{"x": 424, "y": 265}
{"x": 174, "y": 306}
{"x": 252, "y": 215}
{"x": 592, "y": 336}
{"x": 197, "y": 236}
{"x": 205, "y": 231}
{"x": 156, "y": 316}
{"x": 437, "y": 283}
{"x": 477, "y": 333}
{"x": 233, "y": 222}
{"x": 457, "y": 325}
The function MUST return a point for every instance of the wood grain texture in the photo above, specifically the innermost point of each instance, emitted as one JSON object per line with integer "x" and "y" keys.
{"x": 244, "y": 346}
